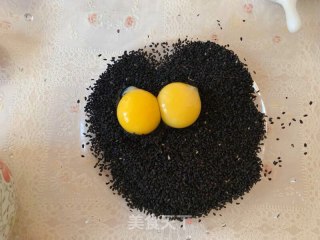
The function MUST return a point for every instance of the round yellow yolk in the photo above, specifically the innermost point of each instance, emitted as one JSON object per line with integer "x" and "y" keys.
{"x": 180, "y": 104}
{"x": 138, "y": 111}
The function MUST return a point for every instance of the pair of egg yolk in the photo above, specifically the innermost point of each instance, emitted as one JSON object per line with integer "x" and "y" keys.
{"x": 140, "y": 112}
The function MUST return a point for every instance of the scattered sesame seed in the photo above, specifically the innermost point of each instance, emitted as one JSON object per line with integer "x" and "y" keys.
{"x": 99, "y": 55}
{"x": 293, "y": 119}
{"x": 118, "y": 30}
{"x": 278, "y": 118}
{"x": 310, "y": 103}
{"x": 82, "y": 155}
{"x": 306, "y": 115}
{"x": 277, "y": 139}
{"x": 240, "y": 38}
{"x": 243, "y": 20}
{"x": 305, "y": 145}
{"x": 292, "y": 145}
{"x": 301, "y": 121}
{"x": 305, "y": 153}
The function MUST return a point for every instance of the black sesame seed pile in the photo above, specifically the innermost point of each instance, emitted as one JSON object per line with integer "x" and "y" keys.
{"x": 187, "y": 171}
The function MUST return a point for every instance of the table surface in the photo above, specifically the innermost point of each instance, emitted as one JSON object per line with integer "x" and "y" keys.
{"x": 46, "y": 63}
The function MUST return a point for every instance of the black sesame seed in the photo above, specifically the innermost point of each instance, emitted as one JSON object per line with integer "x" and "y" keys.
{"x": 279, "y": 157}
{"x": 78, "y": 101}
{"x": 243, "y": 20}
{"x": 283, "y": 127}
{"x": 99, "y": 55}
{"x": 305, "y": 153}
{"x": 289, "y": 124}
{"x": 301, "y": 121}
{"x": 293, "y": 119}
{"x": 118, "y": 30}
{"x": 283, "y": 112}
{"x": 82, "y": 155}
{"x": 306, "y": 115}
{"x": 277, "y": 139}
{"x": 310, "y": 103}
{"x": 275, "y": 163}
{"x": 269, "y": 172}
{"x": 199, "y": 220}
{"x": 305, "y": 145}
{"x": 286, "y": 97}
{"x": 271, "y": 178}
{"x": 292, "y": 145}
{"x": 237, "y": 203}
{"x": 278, "y": 118}
{"x": 82, "y": 145}
{"x": 139, "y": 164}
{"x": 254, "y": 72}
{"x": 198, "y": 15}
{"x": 240, "y": 38}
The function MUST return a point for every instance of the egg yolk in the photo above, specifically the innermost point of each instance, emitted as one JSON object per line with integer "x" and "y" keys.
{"x": 138, "y": 111}
{"x": 180, "y": 104}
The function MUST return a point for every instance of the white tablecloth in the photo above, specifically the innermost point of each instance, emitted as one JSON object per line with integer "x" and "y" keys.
{"x": 46, "y": 65}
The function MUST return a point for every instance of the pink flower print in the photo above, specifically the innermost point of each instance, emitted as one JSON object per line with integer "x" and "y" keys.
{"x": 276, "y": 39}
{"x": 6, "y": 174}
{"x": 92, "y": 18}
{"x": 5, "y": 25}
{"x": 214, "y": 38}
{"x": 74, "y": 108}
{"x": 129, "y": 22}
{"x": 188, "y": 221}
{"x": 248, "y": 7}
